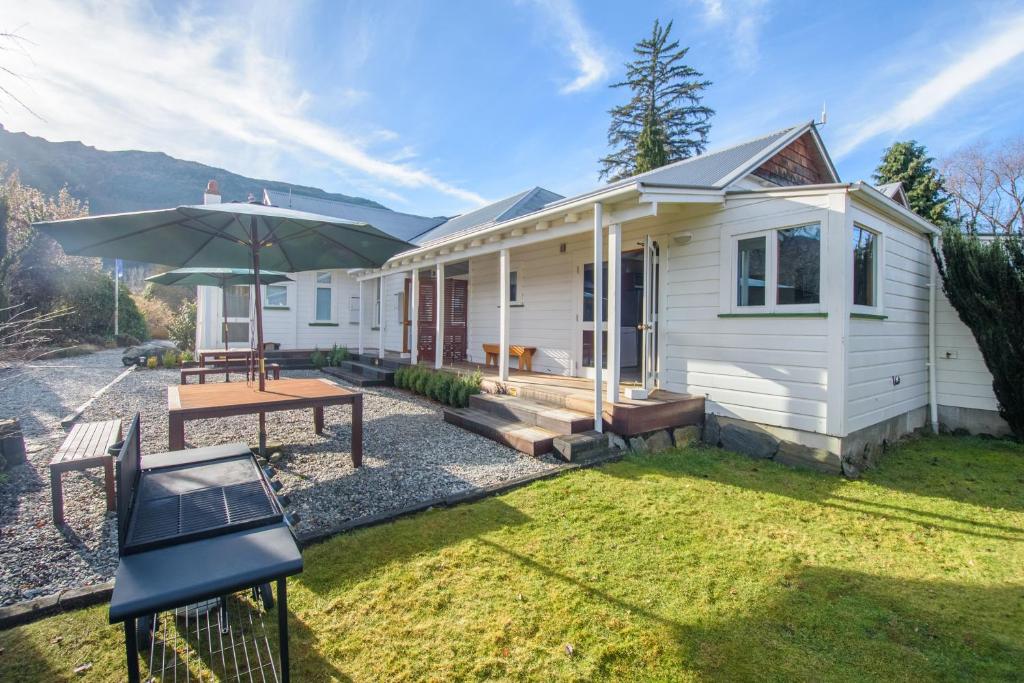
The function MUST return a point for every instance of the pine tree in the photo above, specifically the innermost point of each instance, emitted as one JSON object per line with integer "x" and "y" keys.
{"x": 664, "y": 120}
{"x": 908, "y": 163}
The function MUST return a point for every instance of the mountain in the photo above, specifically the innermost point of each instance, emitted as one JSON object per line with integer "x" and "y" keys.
{"x": 131, "y": 180}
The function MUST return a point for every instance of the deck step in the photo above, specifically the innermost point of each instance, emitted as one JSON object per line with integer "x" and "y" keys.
{"x": 385, "y": 363}
{"x": 525, "y": 438}
{"x": 361, "y": 375}
{"x": 551, "y": 418}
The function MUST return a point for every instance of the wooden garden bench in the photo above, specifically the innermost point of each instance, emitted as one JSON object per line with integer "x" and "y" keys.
{"x": 523, "y": 354}
{"x": 272, "y": 369}
{"x": 85, "y": 446}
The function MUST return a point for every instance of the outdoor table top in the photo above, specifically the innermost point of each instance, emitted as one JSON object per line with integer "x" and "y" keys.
{"x": 279, "y": 394}
{"x": 177, "y": 575}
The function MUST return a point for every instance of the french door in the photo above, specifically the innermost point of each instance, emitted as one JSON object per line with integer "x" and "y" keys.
{"x": 637, "y": 331}
{"x": 237, "y": 312}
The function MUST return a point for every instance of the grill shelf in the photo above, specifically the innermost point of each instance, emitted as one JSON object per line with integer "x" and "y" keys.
{"x": 187, "y": 645}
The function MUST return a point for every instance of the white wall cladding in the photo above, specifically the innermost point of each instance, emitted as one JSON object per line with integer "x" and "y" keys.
{"x": 767, "y": 370}
{"x": 963, "y": 379}
{"x": 878, "y": 350}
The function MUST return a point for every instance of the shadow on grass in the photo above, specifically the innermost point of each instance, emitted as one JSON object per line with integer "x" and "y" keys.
{"x": 347, "y": 559}
{"x": 932, "y": 468}
{"x": 21, "y": 660}
{"x": 822, "y": 623}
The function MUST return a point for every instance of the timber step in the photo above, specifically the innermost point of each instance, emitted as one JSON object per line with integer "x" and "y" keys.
{"x": 361, "y": 374}
{"x": 552, "y": 418}
{"x": 525, "y": 438}
{"x": 384, "y": 363}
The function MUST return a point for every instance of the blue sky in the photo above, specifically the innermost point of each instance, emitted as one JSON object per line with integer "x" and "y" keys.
{"x": 435, "y": 107}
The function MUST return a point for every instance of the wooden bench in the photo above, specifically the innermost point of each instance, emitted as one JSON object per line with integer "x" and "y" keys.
{"x": 523, "y": 354}
{"x": 272, "y": 369}
{"x": 85, "y": 446}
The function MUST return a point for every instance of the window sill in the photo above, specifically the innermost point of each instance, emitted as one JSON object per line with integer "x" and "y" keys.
{"x": 277, "y": 308}
{"x": 868, "y": 316}
{"x": 774, "y": 315}
{"x": 323, "y": 324}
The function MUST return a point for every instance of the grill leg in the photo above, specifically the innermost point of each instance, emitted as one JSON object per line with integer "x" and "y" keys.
{"x": 282, "y": 628}
{"x": 132, "y": 650}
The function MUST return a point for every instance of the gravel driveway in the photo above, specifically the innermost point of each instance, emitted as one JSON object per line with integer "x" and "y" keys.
{"x": 410, "y": 455}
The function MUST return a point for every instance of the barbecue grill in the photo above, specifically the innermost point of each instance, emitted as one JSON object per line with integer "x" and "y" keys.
{"x": 195, "y": 527}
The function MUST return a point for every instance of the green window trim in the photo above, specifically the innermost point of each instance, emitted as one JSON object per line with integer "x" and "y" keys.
{"x": 774, "y": 315}
{"x": 868, "y": 316}
{"x": 323, "y": 324}
{"x": 277, "y": 308}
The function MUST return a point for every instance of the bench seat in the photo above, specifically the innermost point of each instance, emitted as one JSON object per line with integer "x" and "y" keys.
{"x": 87, "y": 445}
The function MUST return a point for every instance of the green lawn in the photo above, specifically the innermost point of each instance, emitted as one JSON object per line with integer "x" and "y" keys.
{"x": 693, "y": 565}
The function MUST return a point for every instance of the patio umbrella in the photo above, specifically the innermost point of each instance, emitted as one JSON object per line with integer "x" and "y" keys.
{"x": 231, "y": 235}
{"x": 217, "y": 277}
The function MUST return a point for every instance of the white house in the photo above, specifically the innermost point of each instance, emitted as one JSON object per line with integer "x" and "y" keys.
{"x": 801, "y": 308}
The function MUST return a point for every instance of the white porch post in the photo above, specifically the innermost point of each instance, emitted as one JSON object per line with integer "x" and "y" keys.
{"x": 598, "y": 345}
{"x": 503, "y": 319}
{"x": 362, "y": 316}
{"x": 439, "y": 334}
{"x": 614, "y": 309}
{"x": 414, "y": 314}
{"x": 380, "y": 318}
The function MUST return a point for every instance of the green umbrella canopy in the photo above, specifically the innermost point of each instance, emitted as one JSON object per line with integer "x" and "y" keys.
{"x": 220, "y": 236}
{"x": 216, "y": 277}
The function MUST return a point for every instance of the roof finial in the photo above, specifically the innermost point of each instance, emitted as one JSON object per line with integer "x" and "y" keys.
{"x": 824, "y": 114}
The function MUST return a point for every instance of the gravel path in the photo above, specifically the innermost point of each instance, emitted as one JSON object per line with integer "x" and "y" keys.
{"x": 410, "y": 455}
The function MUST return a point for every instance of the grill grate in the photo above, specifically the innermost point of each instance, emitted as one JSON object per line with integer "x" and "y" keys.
{"x": 218, "y": 508}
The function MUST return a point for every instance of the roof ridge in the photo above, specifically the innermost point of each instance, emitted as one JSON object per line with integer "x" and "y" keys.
{"x": 717, "y": 150}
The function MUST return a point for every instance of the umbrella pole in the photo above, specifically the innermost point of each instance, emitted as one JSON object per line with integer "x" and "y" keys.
{"x": 254, "y": 240}
{"x": 224, "y": 325}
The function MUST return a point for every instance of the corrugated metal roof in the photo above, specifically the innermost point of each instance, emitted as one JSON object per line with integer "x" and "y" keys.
{"x": 710, "y": 169}
{"x": 404, "y": 226}
{"x": 502, "y": 210}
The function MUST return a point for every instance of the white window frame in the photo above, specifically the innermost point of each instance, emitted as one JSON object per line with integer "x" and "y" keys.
{"x": 518, "y": 301}
{"x": 266, "y": 296}
{"x": 879, "y": 264}
{"x": 317, "y": 285}
{"x": 772, "y": 271}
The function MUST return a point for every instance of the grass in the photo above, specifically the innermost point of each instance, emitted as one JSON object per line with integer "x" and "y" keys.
{"x": 693, "y": 565}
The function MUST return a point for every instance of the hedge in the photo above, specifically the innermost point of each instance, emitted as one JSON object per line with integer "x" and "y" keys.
{"x": 444, "y": 387}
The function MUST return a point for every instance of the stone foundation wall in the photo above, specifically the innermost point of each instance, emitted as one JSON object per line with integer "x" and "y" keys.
{"x": 848, "y": 456}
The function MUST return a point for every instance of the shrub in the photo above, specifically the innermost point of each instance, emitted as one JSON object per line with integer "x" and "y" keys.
{"x": 186, "y": 357}
{"x": 169, "y": 359}
{"x": 337, "y": 355}
{"x": 151, "y": 362}
{"x": 89, "y": 294}
{"x": 318, "y": 359}
{"x": 182, "y": 328}
{"x": 157, "y": 314}
{"x": 984, "y": 281}
{"x": 126, "y": 340}
{"x": 444, "y": 387}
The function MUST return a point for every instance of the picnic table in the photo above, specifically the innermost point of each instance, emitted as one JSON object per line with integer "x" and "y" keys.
{"x": 243, "y": 356}
{"x": 203, "y": 401}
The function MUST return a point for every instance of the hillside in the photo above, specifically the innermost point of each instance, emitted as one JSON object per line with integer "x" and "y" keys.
{"x": 130, "y": 180}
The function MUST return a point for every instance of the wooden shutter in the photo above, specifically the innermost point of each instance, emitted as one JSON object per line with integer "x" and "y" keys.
{"x": 456, "y": 299}
{"x": 426, "y": 325}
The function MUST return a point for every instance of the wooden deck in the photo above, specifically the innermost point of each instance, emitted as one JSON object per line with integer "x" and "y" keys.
{"x": 627, "y": 417}
{"x": 226, "y": 399}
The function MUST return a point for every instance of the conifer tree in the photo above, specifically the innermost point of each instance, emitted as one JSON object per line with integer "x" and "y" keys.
{"x": 908, "y": 163}
{"x": 664, "y": 120}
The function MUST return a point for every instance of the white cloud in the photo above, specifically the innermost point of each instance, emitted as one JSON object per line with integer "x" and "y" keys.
{"x": 119, "y": 75}
{"x": 591, "y": 61}
{"x": 742, "y": 20}
{"x": 974, "y": 66}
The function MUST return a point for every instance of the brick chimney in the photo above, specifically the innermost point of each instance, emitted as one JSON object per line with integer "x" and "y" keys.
{"x": 212, "y": 193}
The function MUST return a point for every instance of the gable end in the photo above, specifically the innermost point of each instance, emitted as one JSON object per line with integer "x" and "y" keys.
{"x": 798, "y": 163}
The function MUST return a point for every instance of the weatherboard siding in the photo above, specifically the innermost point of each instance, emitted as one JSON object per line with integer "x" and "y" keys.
{"x": 767, "y": 370}
{"x": 879, "y": 350}
{"x": 963, "y": 379}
